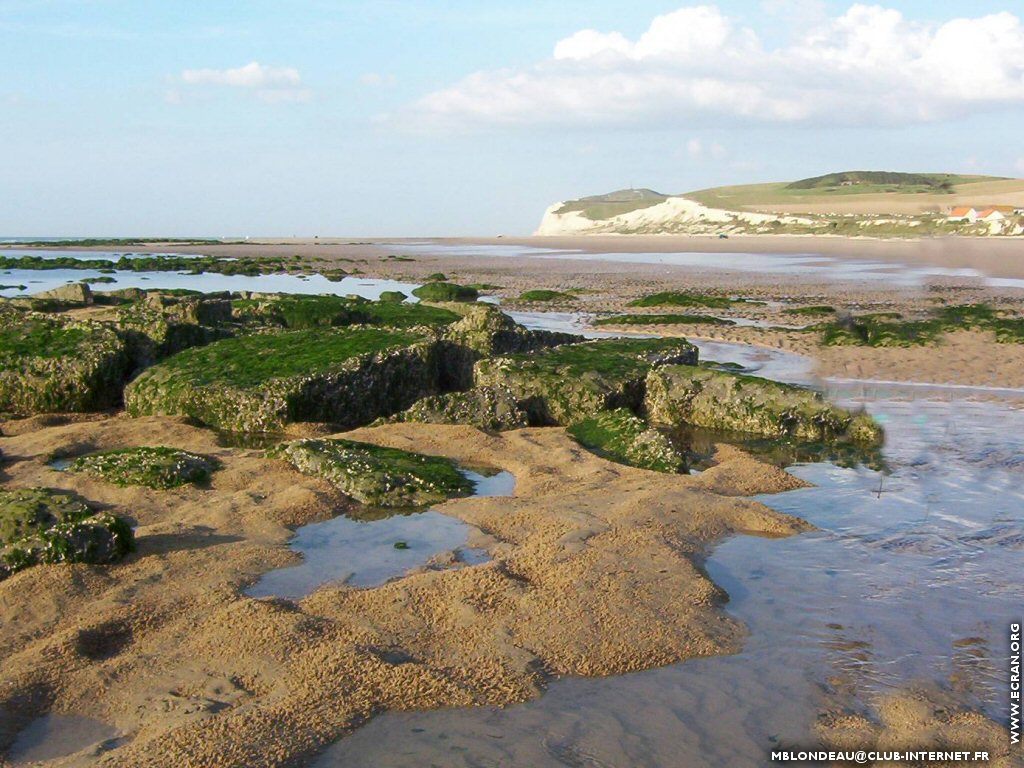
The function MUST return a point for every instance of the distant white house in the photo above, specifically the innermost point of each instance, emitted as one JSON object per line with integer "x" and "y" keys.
{"x": 990, "y": 214}
{"x": 963, "y": 214}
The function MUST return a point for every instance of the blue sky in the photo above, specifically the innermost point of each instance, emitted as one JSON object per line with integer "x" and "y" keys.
{"x": 407, "y": 118}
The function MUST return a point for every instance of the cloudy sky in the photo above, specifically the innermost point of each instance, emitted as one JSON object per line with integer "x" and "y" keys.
{"x": 398, "y": 117}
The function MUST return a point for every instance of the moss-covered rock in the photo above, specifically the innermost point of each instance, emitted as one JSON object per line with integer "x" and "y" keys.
{"x": 713, "y": 399}
{"x": 160, "y": 325}
{"x": 622, "y": 436}
{"x": 72, "y": 293}
{"x": 568, "y": 383}
{"x": 298, "y": 312}
{"x": 41, "y": 526}
{"x": 684, "y": 299}
{"x": 491, "y": 408}
{"x": 153, "y": 467}
{"x": 488, "y": 331}
{"x": 380, "y": 477}
{"x": 441, "y": 291}
{"x": 485, "y": 331}
{"x": 52, "y": 364}
{"x": 261, "y": 382}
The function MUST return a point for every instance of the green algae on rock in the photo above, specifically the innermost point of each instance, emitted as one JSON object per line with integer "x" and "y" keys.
{"x": 485, "y": 331}
{"x": 42, "y": 526}
{"x": 564, "y": 384}
{"x": 622, "y": 436}
{"x": 52, "y": 364}
{"x": 160, "y": 325}
{"x": 298, "y": 312}
{"x": 441, "y": 291}
{"x": 259, "y": 383}
{"x": 490, "y": 408}
{"x": 157, "y": 467}
{"x": 377, "y": 476}
{"x": 703, "y": 397}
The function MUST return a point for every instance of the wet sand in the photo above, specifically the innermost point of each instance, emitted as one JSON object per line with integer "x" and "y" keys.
{"x": 595, "y": 571}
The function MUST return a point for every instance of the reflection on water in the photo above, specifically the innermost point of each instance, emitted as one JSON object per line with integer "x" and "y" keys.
{"x": 366, "y": 550}
{"x": 207, "y": 282}
{"x": 911, "y": 576}
{"x": 698, "y": 447}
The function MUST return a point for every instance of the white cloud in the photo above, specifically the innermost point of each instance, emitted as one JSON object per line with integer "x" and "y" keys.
{"x": 1020, "y": 165}
{"x": 269, "y": 84}
{"x": 378, "y": 80}
{"x": 699, "y": 150}
{"x": 871, "y": 65}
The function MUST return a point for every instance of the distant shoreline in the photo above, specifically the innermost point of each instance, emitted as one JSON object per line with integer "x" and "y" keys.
{"x": 995, "y": 256}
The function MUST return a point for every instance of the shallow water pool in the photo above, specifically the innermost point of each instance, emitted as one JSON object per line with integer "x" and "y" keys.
{"x": 369, "y": 552}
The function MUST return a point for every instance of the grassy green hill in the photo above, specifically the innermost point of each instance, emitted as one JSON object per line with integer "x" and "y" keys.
{"x": 868, "y": 192}
{"x": 615, "y": 203}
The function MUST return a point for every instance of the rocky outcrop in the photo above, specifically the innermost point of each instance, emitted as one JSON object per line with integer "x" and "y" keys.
{"x": 72, "y": 293}
{"x": 488, "y": 408}
{"x": 485, "y": 331}
{"x": 703, "y": 397}
{"x": 563, "y": 385}
{"x": 622, "y": 436}
{"x": 49, "y": 363}
{"x": 41, "y": 526}
{"x": 347, "y": 377}
{"x": 380, "y": 477}
{"x": 158, "y": 325}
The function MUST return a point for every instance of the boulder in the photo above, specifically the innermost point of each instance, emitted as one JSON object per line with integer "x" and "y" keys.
{"x": 50, "y": 363}
{"x": 159, "y": 325}
{"x": 713, "y": 399}
{"x": 259, "y": 383}
{"x": 72, "y": 293}
{"x": 485, "y": 331}
{"x": 378, "y": 476}
{"x": 490, "y": 408}
{"x": 622, "y": 436}
{"x": 568, "y": 383}
{"x": 42, "y": 526}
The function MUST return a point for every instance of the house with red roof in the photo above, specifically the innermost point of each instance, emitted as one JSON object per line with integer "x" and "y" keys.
{"x": 963, "y": 213}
